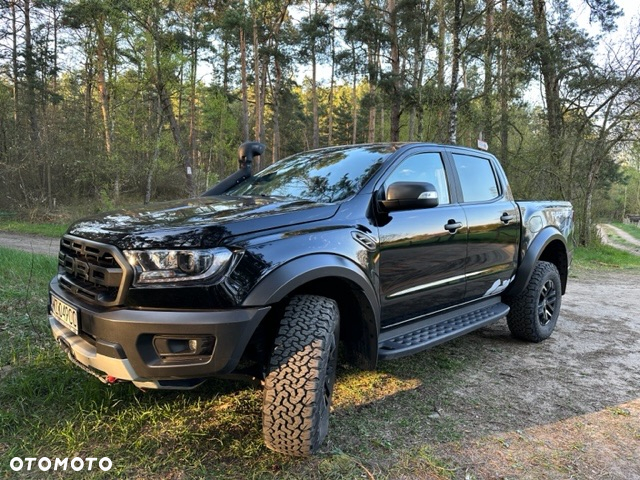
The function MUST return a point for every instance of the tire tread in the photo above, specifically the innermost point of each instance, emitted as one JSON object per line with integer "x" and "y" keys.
{"x": 295, "y": 381}
{"x": 523, "y": 316}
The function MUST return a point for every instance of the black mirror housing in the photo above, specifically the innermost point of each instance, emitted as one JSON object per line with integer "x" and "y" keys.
{"x": 410, "y": 196}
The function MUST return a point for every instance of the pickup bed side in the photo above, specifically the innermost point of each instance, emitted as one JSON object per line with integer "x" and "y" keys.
{"x": 547, "y": 235}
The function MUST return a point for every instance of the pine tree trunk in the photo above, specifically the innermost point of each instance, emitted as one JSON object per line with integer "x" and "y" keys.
{"x": 257, "y": 131}
{"x": 187, "y": 162}
{"x": 396, "y": 107}
{"x": 440, "y": 73}
{"x": 551, "y": 82}
{"x": 354, "y": 101}
{"x": 193, "y": 147}
{"x": 315, "y": 139}
{"x": 14, "y": 61}
{"x": 103, "y": 95}
{"x": 259, "y": 78}
{"x": 504, "y": 85}
{"x": 30, "y": 76}
{"x": 487, "y": 103}
{"x": 167, "y": 107}
{"x": 332, "y": 83}
{"x": 276, "y": 149}
{"x": 245, "y": 87}
{"x": 156, "y": 150}
{"x": 455, "y": 67}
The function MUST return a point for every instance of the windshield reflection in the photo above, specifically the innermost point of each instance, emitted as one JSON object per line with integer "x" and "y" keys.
{"x": 323, "y": 176}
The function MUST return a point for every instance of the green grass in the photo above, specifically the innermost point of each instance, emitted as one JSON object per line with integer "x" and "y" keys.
{"x": 45, "y": 229}
{"x": 380, "y": 426}
{"x": 604, "y": 256}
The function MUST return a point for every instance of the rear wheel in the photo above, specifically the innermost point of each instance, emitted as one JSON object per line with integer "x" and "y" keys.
{"x": 534, "y": 313}
{"x": 301, "y": 376}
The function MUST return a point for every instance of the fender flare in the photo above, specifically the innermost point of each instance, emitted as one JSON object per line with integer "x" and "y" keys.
{"x": 286, "y": 278}
{"x": 276, "y": 285}
{"x": 533, "y": 254}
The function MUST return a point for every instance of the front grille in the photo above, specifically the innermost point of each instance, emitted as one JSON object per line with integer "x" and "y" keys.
{"x": 95, "y": 272}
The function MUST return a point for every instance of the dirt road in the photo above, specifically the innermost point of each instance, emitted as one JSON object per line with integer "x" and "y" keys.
{"x": 622, "y": 234}
{"x": 568, "y": 407}
{"x": 30, "y": 243}
{"x": 610, "y": 235}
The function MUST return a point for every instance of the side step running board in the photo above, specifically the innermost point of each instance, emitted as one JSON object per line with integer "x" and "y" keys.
{"x": 412, "y": 338}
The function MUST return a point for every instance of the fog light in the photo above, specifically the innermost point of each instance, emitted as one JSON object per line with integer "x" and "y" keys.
{"x": 171, "y": 347}
{"x": 201, "y": 346}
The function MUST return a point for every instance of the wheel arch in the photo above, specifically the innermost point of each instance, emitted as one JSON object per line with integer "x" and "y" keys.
{"x": 549, "y": 246}
{"x": 334, "y": 277}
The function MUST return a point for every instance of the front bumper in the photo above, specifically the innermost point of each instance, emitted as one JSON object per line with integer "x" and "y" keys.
{"x": 122, "y": 344}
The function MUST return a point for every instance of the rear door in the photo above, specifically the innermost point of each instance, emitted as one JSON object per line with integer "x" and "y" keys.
{"x": 493, "y": 223}
{"x": 422, "y": 252}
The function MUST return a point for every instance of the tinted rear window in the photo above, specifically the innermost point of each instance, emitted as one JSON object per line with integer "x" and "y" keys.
{"x": 477, "y": 178}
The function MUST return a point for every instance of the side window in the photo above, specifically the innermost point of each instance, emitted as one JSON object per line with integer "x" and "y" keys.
{"x": 423, "y": 167}
{"x": 476, "y": 178}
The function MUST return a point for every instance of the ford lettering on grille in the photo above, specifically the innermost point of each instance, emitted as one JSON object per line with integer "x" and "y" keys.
{"x": 77, "y": 268}
{"x": 91, "y": 270}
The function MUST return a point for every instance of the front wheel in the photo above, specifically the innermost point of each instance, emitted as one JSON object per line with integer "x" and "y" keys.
{"x": 301, "y": 375}
{"x": 535, "y": 311}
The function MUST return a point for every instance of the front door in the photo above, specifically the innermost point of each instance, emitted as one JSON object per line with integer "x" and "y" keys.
{"x": 422, "y": 252}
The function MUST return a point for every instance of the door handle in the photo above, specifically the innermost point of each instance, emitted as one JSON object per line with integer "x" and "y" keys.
{"x": 452, "y": 226}
{"x": 506, "y": 218}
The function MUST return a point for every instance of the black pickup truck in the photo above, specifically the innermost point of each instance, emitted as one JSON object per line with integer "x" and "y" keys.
{"x": 385, "y": 249}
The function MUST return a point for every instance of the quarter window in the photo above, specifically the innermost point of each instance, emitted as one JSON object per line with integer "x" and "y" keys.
{"x": 477, "y": 178}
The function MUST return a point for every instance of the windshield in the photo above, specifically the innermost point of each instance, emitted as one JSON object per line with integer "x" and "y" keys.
{"x": 323, "y": 176}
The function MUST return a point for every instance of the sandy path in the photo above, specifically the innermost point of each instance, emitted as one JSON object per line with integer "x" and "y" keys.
{"x": 30, "y": 243}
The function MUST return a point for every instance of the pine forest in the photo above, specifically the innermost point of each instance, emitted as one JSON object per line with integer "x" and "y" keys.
{"x": 108, "y": 103}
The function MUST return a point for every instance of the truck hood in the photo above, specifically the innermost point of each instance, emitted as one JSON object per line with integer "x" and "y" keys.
{"x": 202, "y": 222}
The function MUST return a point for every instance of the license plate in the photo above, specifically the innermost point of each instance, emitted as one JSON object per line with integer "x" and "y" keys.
{"x": 64, "y": 313}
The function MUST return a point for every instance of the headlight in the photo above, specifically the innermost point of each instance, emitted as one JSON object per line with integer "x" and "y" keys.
{"x": 173, "y": 266}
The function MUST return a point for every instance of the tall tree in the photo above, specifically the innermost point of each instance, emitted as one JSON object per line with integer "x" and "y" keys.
{"x": 396, "y": 79}
{"x": 150, "y": 16}
{"x": 278, "y": 39}
{"x": 14, "y": 58}
{"x": 418, "y": 34}
{"x": 315, "y": 34}
{"x": 550, "y": 60}
{"x": 30, "y": 75}
{"x": 604, "y": 114}
{"x": 455, "y": 69}
{"x": 258, "y": 69}
{"x": 487, "y": 104}
{"x": 505, "y": 35}
{"x": 245, "y": 87}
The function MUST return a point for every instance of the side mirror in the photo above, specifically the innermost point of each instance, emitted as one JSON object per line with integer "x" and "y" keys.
{"x": 410, "y": 196}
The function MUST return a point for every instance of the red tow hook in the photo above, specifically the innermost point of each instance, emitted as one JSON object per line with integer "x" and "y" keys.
{"x": 111, "y": 379}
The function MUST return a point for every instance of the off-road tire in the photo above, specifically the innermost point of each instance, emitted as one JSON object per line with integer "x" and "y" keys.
{"x": 534, "y": 313}
{"x": 301, "y": 375}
